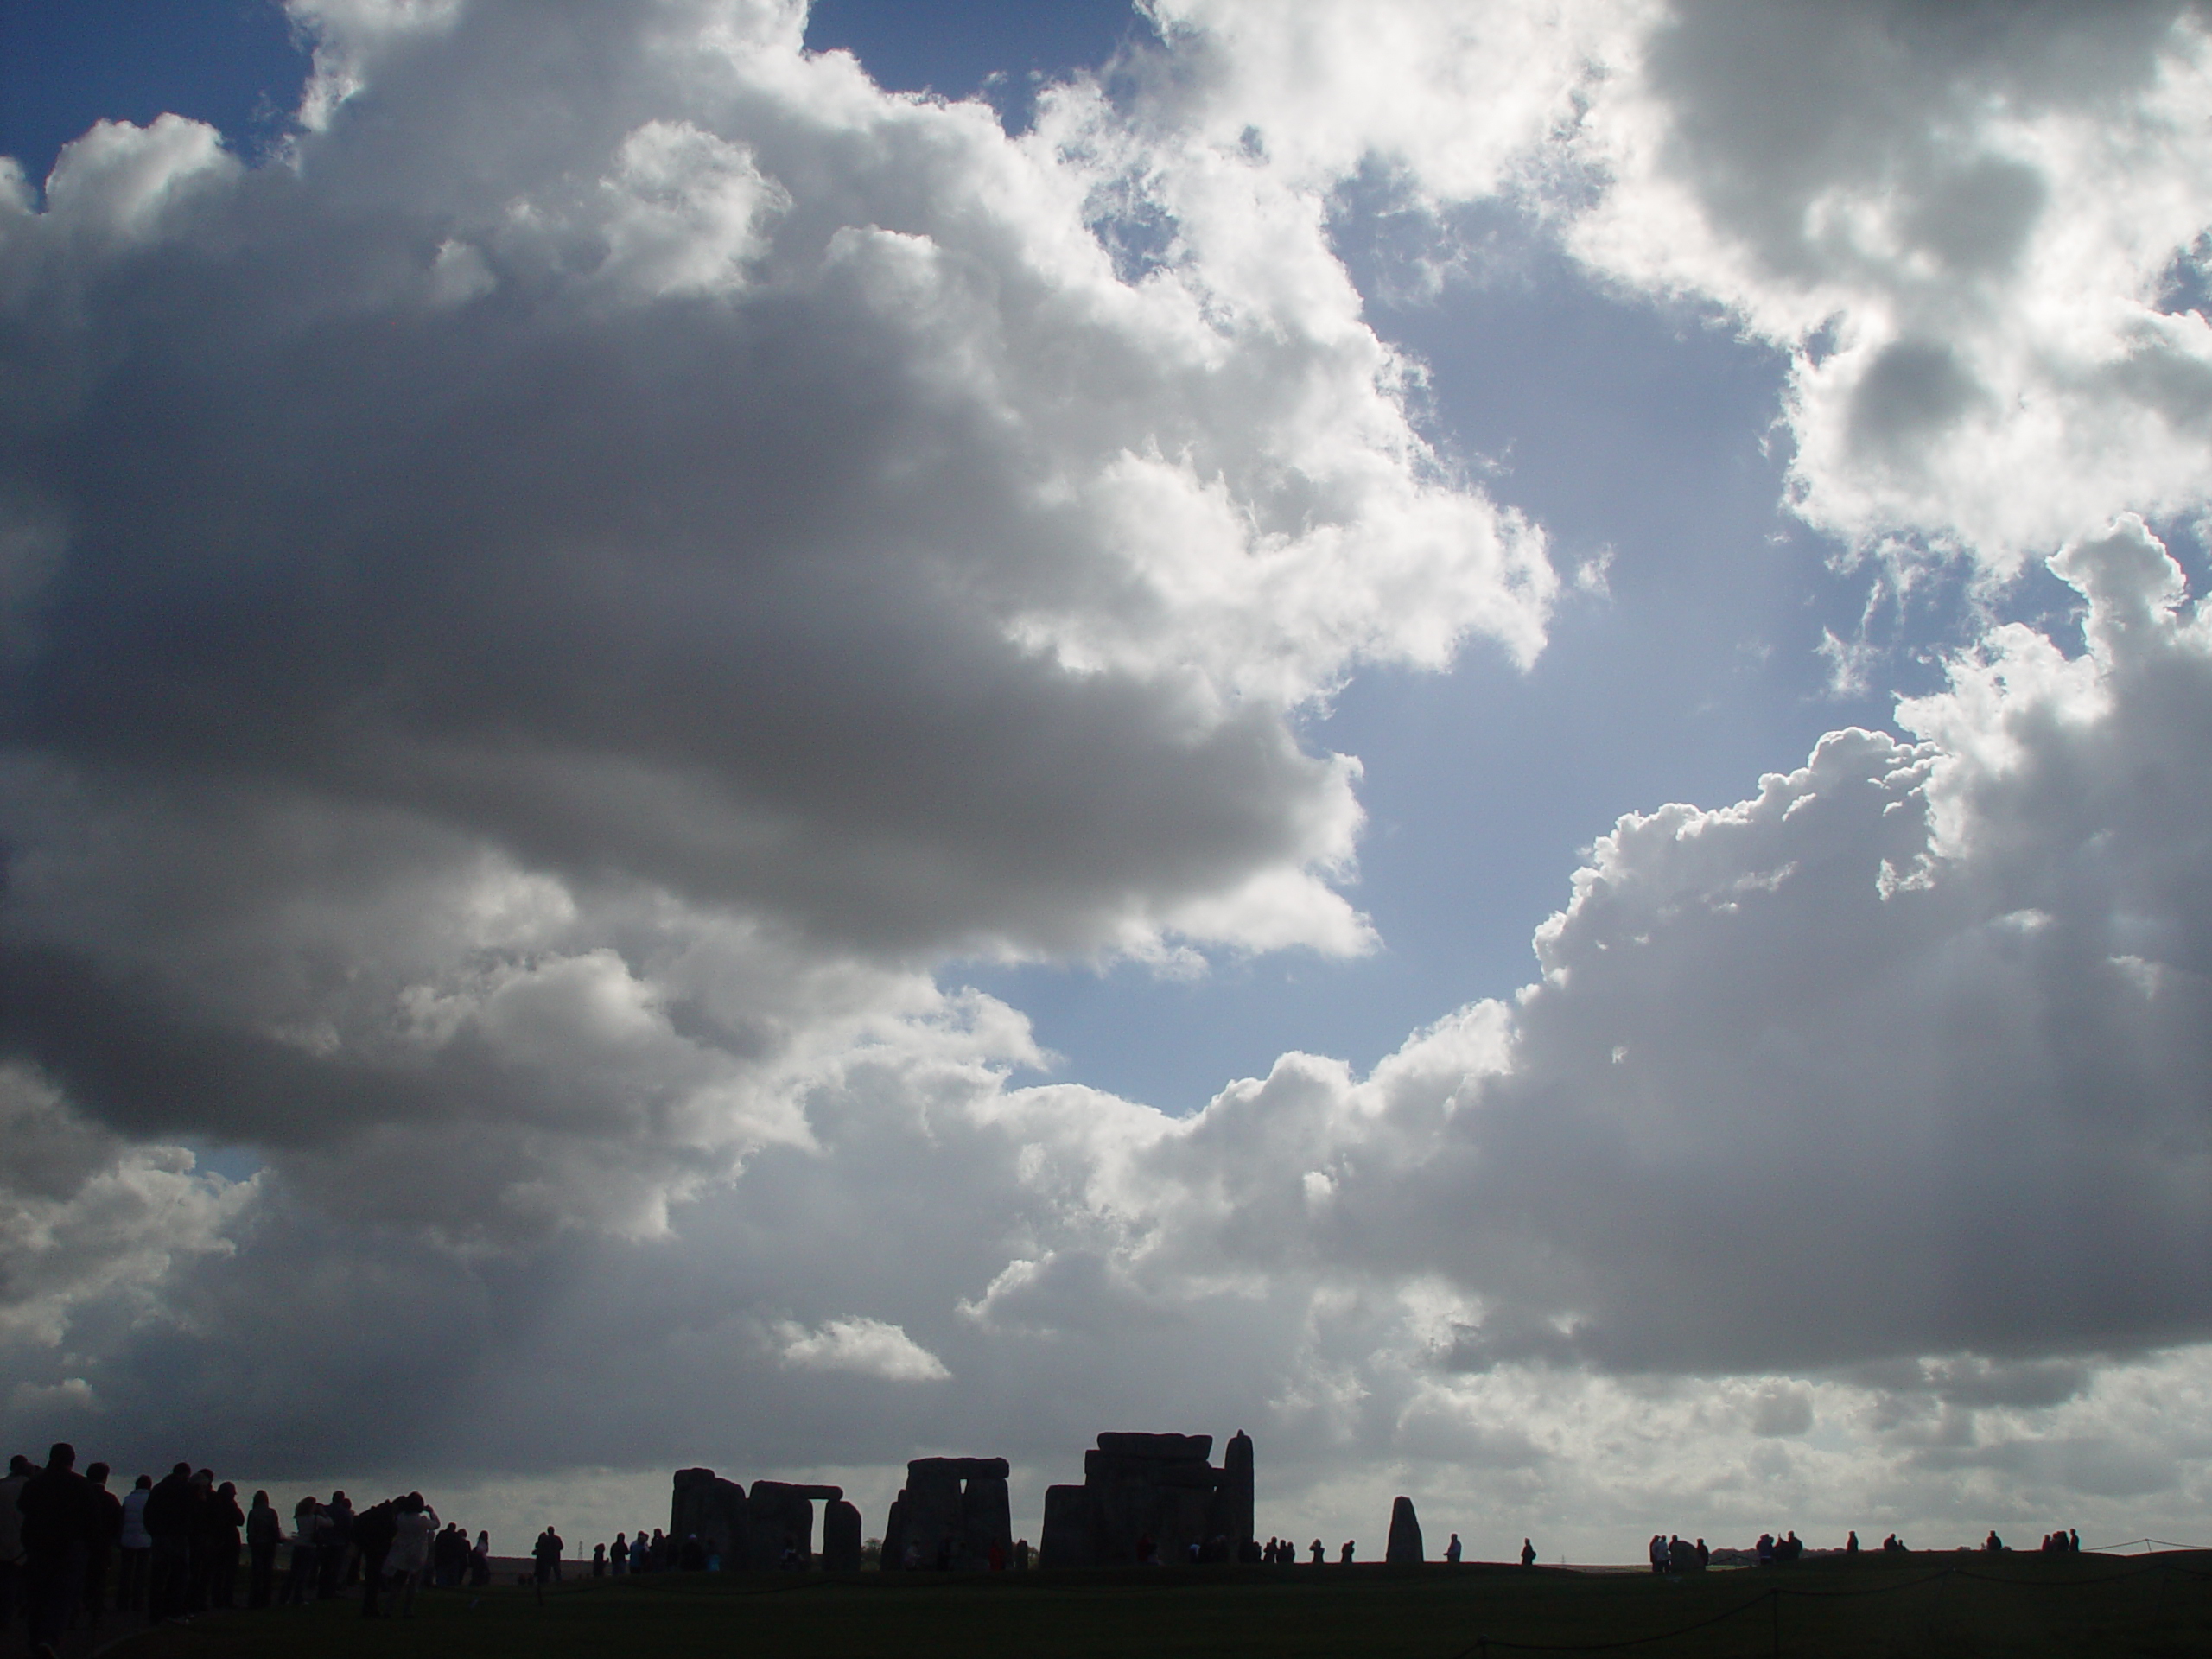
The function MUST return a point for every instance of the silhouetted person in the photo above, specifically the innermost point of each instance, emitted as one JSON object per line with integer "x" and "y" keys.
{"x": 59, "y": 1517}
{"x": 223, "y": 1520}
{"x": 1451, "y": 1550}
{"x": 265, "y": 1530}
{"x": 1317, "y": 1553}
{"x": 372, "y": 1532}
{"x": 307, "y": 1519}
{"x": 168, "y": 1523}
{"x": 1656, "y": 1551}
{"x": 480, "y": 1561}
{"x": 1704, "y": 1555}
{"x": 2073, "y": 1540}
{"x": 1851, "y": 1545}
{"x": 1528, "y": 1554}
{"x": 1992, "y": 1544}
{"x": 618, "y": 1557}
{"x": 1343, "y": 1556}
{"x": 101, "y": 1547}
{"x": 338, "y": 1554}
{"x": 134, "y": 1549}
{"x": 413, "y": 1525}
{"x": 20, "y": 1470}
{"x": 599, "y": 1561}
{"x": 201, "y": 1577}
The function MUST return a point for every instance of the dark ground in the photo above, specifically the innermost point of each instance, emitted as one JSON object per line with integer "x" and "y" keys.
{"x": 2023, "y": 1605}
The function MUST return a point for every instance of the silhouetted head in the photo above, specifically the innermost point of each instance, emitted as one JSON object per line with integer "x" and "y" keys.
{"x": 61, "y": 1456}
{"x": 20, "y": 1464}
{"x": 183, "y": 1471}
{"x": 261, "y": 1500}
{"x": 228, "y": 1489}
{"x": 145, "y": 1483}
{"x": 97, "y": 1473}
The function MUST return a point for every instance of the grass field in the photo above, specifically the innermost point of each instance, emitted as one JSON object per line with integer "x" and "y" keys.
{"x": 2021, "y": 1606}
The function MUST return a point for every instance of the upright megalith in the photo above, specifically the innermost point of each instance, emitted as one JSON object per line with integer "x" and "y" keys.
{"x": 841, "y": 1537}
{"x": 1405, "y": 1547}
{"x": 708, "y": 1508}
{"x": 1233, "y": 1497}
{"x": 1151, "y": 1498}
{"x": 952, "y": 1512}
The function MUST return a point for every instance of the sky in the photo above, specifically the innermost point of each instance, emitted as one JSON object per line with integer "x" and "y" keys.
{"x": 788, "y": 738}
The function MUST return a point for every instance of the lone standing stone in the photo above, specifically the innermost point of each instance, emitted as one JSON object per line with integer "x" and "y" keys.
{"x": 1405, "y": 1534}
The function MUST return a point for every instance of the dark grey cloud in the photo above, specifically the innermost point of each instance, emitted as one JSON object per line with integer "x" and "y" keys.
{"x": 557, "y": 598}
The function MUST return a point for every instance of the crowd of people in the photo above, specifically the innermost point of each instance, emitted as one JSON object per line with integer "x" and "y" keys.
{"x": 2064, "y": 1541}
{"x": 74, "y": 1551}
{"x": 1670, "y": 1554}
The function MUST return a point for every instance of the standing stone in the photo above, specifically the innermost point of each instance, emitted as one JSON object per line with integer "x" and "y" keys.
{"x": 1404, "y": 1547}
{"x": 894, "y": 1537}
{"x": 1071, "y": 1528}
{"x": 986, "y": 1519}
{"x": 1234, "y": 1501}
{"x": 932, "y": 1502}
{"x": 841, "y": 1537}
{"x": 708, "y": 1507}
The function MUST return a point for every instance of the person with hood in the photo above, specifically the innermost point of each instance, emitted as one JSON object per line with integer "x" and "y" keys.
{"x": 265, "y": 1530}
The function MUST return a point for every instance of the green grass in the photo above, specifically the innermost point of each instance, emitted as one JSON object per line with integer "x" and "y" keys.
{"x": 2024, "y": 1605}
